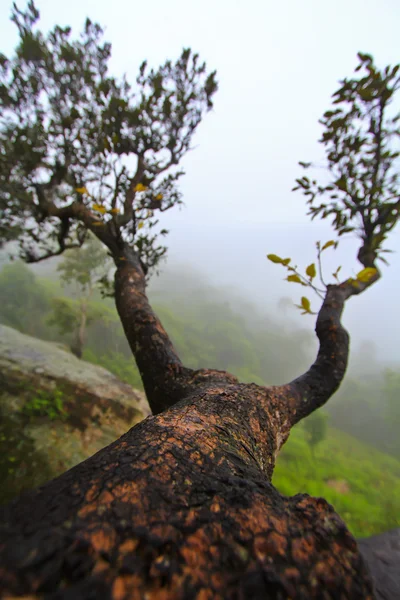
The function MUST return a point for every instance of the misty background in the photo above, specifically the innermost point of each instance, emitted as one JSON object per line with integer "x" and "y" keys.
{"x": 277, "y": 64}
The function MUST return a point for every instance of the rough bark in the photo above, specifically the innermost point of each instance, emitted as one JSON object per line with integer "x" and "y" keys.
{"x": 163, "y": 375}
{"x": 182, "y": 506}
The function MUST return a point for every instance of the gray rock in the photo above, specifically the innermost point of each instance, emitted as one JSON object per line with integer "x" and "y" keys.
{"x": 55, "y": 411}
{"x": 382, "y": 553}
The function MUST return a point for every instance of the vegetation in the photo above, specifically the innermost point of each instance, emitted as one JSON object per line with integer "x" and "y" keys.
{"x": 361, "y": 483}
{"x": 24, "y": 301}
{"x": 315, "y": 427}
{"x": 362, "y": 193}
{"x": 46, "y": 404}
{"x": 85, "y": 268}
{"x": 82, "y": 151}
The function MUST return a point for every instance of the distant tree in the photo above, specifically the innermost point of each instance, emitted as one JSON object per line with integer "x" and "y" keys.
{"x": 182, "y": 505}
{"x": 316, "y": 426}
{"x": 23, "y": 301}
{"x": 85, "y": 268}
{"x": 70, "y": 316}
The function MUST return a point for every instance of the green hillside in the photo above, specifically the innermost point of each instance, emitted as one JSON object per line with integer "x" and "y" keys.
{"x": 361, "y": 483}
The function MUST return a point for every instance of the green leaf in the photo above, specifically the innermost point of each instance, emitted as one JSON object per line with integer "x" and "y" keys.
{"x": 311, "y": 271}
{"x": 305, "y": 303}
{"x": 294, "y": 278}
{"x": 275, "y": 259}
{"x": 335, "y": 274}
{"x": 305, "y": 306}
{"x": 341, "y": 183}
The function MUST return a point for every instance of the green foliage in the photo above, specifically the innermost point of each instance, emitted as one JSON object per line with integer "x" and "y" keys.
{"x": 366, "y": 407}
{"x": 80, "y": 149}
{"x": 46, "y": 404}
{"x": 364, "y": 276}
{"x": 85, "y": 266}
{"x": 117, "y": 363}
{"x": 363, "y": 192}
{"x": 315, "y": 426}
{"x": 361, "y": 483}
{"x": 360, "y": 138}
{"x": 23, "y": 300}
{"x": 305, "y": 280}
{"x": 64, "y": 315}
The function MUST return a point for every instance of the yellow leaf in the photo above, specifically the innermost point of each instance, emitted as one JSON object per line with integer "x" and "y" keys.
{"x": 99, "y": 208}
{"x": 294, "y": 278}
{"x": 286, "y": 261}
{"x": 140, "y": 225}
{"x": 335, "y": 274}
{"x": 98, "y": 224}
{"x": 140, "y": 188}
{"x": 274, "y": 258}
{"x": 328, "y": 244}
{"x": 158, "y": 197}
{"x": 311, "y": 271}
{"x": 114, "y": 211}
{"x": 81, "y": 190}
{"x": 366, "y": 274}
{"x": 305, "y": 303}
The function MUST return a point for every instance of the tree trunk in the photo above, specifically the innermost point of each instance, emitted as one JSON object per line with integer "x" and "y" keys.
{"x": 80, "y": 339}
{"x": 182, "y": 506}
{"x": 79, "y": 342}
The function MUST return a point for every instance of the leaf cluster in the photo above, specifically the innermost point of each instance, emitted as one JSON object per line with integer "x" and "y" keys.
{"x": 361, "y": 141}
{"x": 307, "y": 279}
{"x": 82, "y": 150}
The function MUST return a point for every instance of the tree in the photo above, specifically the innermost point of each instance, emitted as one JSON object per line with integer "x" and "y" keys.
{"x": 182, "y": 505}
{"x": 84, "y": 267}
{"x": 23, "y": 300}
{"x": 316, "y": 426}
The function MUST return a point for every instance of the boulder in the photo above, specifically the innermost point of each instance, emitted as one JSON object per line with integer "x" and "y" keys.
{"x": 55, "y": 411}
{"x": 382, "y": 553}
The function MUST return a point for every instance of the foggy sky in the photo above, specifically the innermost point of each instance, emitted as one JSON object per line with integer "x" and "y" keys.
{"x": 278, "y": 64}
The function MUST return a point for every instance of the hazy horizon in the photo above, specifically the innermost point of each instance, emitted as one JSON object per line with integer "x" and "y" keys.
{"x": 277, "y": 65}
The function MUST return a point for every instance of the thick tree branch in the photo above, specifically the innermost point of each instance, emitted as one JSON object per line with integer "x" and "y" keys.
{"x": 314, "y": 388}
{"x": 164, "y": 377}
{"x": 180, "y": 507}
